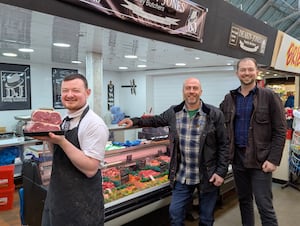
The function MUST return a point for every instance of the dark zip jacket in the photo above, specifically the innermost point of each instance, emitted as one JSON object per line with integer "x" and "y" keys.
{"x": 213, "y": 141}
{"x": 266, "y": 136}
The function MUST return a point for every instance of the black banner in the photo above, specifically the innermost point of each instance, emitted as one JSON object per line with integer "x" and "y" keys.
{"x": 15, "y": 87}
{"x": 178, "y": 17}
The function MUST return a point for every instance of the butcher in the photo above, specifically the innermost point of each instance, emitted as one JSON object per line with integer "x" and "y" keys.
{"x": 74, "y": 195}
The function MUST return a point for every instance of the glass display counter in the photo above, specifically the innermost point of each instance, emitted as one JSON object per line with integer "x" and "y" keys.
{"x": 135, "y": 182}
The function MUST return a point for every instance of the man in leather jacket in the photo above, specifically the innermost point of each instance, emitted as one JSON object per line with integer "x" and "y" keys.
{"x": 198, "y": 148}
{"x": 256, "y": 126}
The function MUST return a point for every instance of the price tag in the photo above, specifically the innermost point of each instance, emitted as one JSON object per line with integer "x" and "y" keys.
{"x": 128, "y": 158}
{"x": 124, "y": 176}
{"x": 141, "y": 164}
{"x": 159, "y": 152}
{"x": 163, "y": 167}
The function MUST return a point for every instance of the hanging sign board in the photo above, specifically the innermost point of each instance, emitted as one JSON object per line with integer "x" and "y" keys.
{"x": 179, "y": 17}
{"x": 288, "y": 58}
{"x": 247, "y": 40}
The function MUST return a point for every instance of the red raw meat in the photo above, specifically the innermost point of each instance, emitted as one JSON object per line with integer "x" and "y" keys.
{"x": 148, "y": 173}
{"x": 47, "y": 116}
{"x": 33, "y": 127}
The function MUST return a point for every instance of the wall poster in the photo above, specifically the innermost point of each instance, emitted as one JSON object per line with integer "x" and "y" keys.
{"x": 58, "y": 75}
{"x": 15, "y": 87}
{"x": 110, "y": 95}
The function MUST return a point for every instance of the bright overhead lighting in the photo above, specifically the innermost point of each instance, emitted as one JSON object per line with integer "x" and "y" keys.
{"x": 180, "y": 64}
{"x": 123, "y": 68}
{"x": 197, "y": 58}
{"x": 60, "y": 44}
{"x": 130, "y": 56}
{"x": 142, "y": 65}
{"x": 10, "y": 54}
{"x": 76, "y": 62}
{"x": 26, "y": 50}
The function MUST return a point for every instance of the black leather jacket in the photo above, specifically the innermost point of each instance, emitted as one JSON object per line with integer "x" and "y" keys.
{"x": 266, "y": 137}
{"x": 214, "y": 143}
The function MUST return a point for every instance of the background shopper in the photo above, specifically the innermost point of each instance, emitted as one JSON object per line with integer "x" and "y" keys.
{"x": 199, "y": 151}
{"x": 256, "y": 127}
{"x": 74, "y": 195}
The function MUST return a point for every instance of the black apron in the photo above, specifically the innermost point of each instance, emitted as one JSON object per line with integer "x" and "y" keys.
{"x": 72, "y": 198}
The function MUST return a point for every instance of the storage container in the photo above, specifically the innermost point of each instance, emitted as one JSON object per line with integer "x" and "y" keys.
{"x": 7, "y": 176}
{"x": 7, "y": 198}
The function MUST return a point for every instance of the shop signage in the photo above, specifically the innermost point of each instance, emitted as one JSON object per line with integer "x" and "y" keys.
{"x": 247, "y": 40}
{"x": 178, "y": 17}
{"x": 15, "y": 87}
{"x": 288, "y": 58}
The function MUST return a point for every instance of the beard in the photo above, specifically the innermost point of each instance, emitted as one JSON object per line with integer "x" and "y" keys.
{"x": 247, "y": 81}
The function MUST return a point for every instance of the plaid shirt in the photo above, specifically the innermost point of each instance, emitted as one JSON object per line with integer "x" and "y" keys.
{"x": 189, "y": 130}
{"x": 244, "y": 108}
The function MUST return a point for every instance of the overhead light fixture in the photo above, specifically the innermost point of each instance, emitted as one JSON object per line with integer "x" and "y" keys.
{"x": 142, "y": 65}
{"x": 123, "y": 68}
{"x": 180, "y": 64}
{"x": 130, "y": 56}
{"x": 60, "y": 44}
{"x": 197, "y": 58}
{"x": 10, "y": 54}
{"x": 26, "y": 50}
{"x": 76, "y": 62}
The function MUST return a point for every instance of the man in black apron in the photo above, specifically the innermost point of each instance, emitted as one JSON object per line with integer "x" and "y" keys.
{"x": 74, "y": 196}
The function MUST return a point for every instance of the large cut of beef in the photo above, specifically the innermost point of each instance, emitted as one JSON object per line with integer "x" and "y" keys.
{"x": 34, "y": 127}
{"x": 48, "y": 116}
{"x": 43, "y": 121}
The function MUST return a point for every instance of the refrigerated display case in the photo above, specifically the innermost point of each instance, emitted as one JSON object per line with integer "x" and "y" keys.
{"x": 134, "y": 183}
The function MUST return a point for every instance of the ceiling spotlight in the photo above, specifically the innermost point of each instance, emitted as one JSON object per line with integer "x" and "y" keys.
{"x": 130, "y": 56}
{"x": 26, "y": 50}
{"x": 142, "y": 65}
{"x": 76, "y": 62}
{"x": 60, "y": 44}
{"x": 123, "y": 68}
{"x": 180, "y": 64}
{"x": 10, "y": 54}
{"x": 197, "y": 58}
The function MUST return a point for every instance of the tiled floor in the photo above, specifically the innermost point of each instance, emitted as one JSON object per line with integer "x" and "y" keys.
{"x": 286, "y": 202}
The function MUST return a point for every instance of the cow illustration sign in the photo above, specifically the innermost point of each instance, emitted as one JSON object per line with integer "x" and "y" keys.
{"x": 15, "y": 87}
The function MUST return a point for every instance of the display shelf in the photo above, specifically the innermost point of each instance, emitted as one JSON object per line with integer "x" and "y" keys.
{"x": 119, "y": 203}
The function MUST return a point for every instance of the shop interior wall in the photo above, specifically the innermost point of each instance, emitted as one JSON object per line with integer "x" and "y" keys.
{"x": 157, "y": 90}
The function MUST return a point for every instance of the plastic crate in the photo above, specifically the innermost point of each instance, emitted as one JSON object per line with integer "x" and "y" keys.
{"x": 7, "y": 176}
{"x": 7, "y": 198}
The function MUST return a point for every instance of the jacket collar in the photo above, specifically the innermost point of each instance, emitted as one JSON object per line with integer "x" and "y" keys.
{"x": 179, "y": 107}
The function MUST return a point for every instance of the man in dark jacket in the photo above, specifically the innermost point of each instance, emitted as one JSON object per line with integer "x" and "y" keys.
{"x": 199, "y": 151}
{"x": 256, "y": 128}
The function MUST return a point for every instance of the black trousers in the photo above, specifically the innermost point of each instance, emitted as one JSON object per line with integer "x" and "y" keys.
{"x": 258, "y": 184}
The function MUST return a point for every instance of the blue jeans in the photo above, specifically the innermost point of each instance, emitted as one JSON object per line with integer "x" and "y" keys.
{"x": 255, "y": 182}
{"x": 182, "y": 196}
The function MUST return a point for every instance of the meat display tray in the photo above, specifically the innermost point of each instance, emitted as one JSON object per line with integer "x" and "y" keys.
{"x": 38, "y": 134}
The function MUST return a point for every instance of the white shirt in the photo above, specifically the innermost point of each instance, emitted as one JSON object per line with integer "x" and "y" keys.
{"x": 92, "y": 133}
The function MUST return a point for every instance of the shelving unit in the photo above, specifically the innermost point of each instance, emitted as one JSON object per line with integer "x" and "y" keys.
{"x": 294, "y": 163}
{"x": 19, "y": 142}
